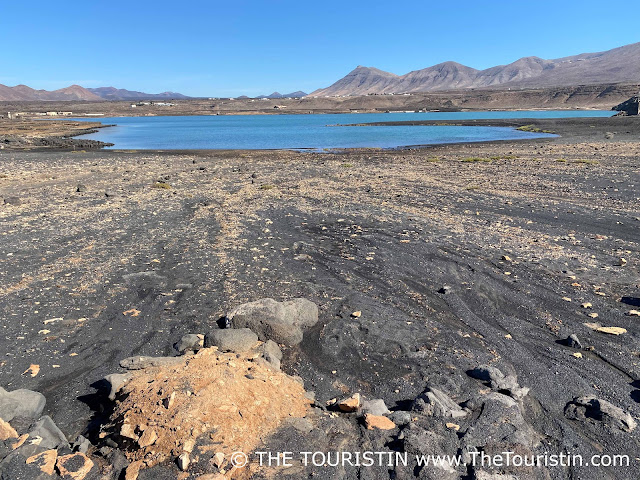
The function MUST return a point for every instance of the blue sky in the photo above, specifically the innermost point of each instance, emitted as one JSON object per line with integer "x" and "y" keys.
{"x": 250, "y": 47}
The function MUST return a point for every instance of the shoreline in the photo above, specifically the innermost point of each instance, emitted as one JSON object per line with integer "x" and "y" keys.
{"x": 617, "y": 128}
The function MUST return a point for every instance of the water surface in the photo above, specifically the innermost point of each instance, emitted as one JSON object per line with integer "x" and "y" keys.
{"x": 310, "y": 131}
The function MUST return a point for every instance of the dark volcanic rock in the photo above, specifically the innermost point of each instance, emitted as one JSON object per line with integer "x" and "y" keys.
{"x": 141, "y": 362}
{"x": 189, "y": 343}
{"x": 629, "y": 107}
{"x": 49, "y": 432}
{"x": 282, "y": 322}
{"x": 231, "y": 339}
{"x": 574, "y": 342}
{"x": 20, "y": 403}
{"x": 590, "y": 407}
{"x": 271, "y": 353}
{"x": 437, "y": 403}
{"x": 499, "y": 381}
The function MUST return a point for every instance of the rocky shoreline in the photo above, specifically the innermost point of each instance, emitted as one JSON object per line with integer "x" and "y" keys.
{"x": 40, "y": 134}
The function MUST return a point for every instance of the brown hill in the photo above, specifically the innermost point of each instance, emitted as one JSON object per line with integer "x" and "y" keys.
{"x": 24, "y": 93}
{"x": 620, "y": 65}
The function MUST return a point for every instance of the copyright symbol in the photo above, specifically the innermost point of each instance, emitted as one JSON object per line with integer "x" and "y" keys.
{"x": 239, "y": 459}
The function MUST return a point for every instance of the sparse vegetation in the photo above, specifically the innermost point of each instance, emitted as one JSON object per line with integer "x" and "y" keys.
{"x": 161, "y": 185}
{"x": 585, "y": 161}
{"x": 476, "y": 159}
{"x": 266, "y": 187}
{"x": 433, "y": 159}
{"x": 561, "y": 160}
{"x": 347, "y": 165}
{"x": 532, "y": 129}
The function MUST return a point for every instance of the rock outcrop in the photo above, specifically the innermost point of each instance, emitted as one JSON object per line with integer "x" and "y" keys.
{"x": 629, "y": 107}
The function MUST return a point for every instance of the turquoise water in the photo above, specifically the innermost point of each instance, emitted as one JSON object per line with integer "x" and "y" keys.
{"x": 309, "y": 131}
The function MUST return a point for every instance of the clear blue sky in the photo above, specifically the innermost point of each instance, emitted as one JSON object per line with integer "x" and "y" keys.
{"x": 235, "y": 47}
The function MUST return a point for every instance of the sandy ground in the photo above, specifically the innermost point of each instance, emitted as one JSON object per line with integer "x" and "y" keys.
{"x": 523, "y": 233}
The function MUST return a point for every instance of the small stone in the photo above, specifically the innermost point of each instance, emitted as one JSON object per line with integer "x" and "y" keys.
{"x": 357, "y": 314}
{"x": 189, "y": 343}
{"x": 378, "y": 421}
{"x": 7, "y": 431}
{"x": 74, "y": 466}
{"x": 622, "y": 262}
{"x": 133, "y": 470}
{"x": 566, "y": 299}
{"x": 81, "y": 188}
{"x": 375, "y": 407}
{"x": 168, "y": 402}
{"x": 148, "y": 438}
{"x": 400, "y": 417}
{"x": 577, "y": 355}
{"x": 586, "y": 305}
{"x": 45, "y": 460}
{"x": 116, "y": 381}
{"x": 127, "y": 431}
{"x": 446, "y": 289}
{"x": 593, "y": 315}
{"x": 81, "y": 444}
{"x": 499, "y": 381}
{"x": 183, "y": 461}
{"x": 453, "y": 426}
{"x": 33, "y": 369}
{"x": 218, "y": 459}
{"x": 633, "y": 313}
{"x": 574, "y": 342}
{"x": 351, "y": 404}
{"x": 608, "y": 330}
{"x": 435, "y": 402}
{"x": 506, "y": 258}
{"x": 189, "y": 445}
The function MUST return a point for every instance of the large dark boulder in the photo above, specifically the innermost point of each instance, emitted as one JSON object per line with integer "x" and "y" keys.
{"x": 282, "y": 322}
{"x": 630, "y": 107}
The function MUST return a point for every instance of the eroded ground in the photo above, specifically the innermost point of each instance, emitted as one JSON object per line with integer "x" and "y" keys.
{"x": 523, "y": 234}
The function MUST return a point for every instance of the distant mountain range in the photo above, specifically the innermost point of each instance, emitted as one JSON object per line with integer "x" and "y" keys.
{"x": 297, "y": 94}
{"x": 619, "y": 65}
{"x": 22, "y": 93}
{"x": 112, "y": 93}
{"x": 78, "y": 93}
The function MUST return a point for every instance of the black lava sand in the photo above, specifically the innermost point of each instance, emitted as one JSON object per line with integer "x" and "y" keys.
{"x": 513, "y": 230}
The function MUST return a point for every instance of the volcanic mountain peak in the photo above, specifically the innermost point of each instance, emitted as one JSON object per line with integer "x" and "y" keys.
{"x": 618, "y": 65}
